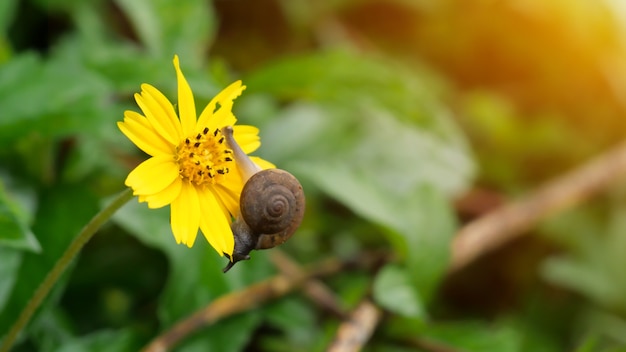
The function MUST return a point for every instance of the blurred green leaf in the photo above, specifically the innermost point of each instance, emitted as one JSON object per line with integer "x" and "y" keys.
{"x": 7, "y": 12}
{"x": 296, "y": 319}
{"x": 344, "y": 77}
{"x": 105, "y": 340}
{"x": 11, "y": 260}
{"x": 166, "y": 28}
{"x": 48, "y": 108}
{"x": 400, "y": 190}
{"x": 476, "y": 337}
{"x": 394, "y": 292}
{"x": 14, "y": 232}
{"x": 195, "y": 278}
{"x": 594, "y": 267}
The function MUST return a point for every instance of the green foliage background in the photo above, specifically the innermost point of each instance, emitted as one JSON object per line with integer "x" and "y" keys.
{"x": 393, "y": 114}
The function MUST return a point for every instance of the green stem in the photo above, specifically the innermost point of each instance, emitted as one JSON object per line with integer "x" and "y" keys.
{"x": 59, "y": 267}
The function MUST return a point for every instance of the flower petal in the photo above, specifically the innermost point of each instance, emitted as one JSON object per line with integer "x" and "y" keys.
{"x": 153, "y": 175}
{"x": 139, "y": 131}
{"x": 223, "y": 116}
{"x": 162, "y": 109}
{"x": 165, "y": 197}
{"x": 247, "y": 137}
{"x": 229, "y": 193}
{"x": 214, "y": 224}
{"x": 185, "y": 215}
{"x": 155, "y": 118}
{"x": 186, "y": 104}
{"x": 263, "y": 164}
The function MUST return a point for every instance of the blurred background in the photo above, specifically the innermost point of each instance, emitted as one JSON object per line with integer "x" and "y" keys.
{"x": 404, "y": 120}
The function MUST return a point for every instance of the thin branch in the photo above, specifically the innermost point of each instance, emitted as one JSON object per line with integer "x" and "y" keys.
{"x": 513, "y": 220}
{"x": 353, "y": 333}
{"x": 314, "y": 289}
{"x": 249, "y": 298}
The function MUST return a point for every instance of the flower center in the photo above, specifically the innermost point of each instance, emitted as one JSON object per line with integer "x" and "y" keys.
{"x": 203, "y": 159}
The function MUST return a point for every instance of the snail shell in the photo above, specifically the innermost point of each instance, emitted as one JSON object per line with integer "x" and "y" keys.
{"x": 272, "y": 205}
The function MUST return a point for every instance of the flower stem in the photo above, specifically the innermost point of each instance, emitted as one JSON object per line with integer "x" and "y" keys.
{"x": 59, "y": 267}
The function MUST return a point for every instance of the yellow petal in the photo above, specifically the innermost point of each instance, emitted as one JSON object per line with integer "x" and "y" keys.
{"x": 155, "y": 119}
{"x": 186, "y": 215}
{"x": 214, "y": 224}
{"x": 223, "y": 116}
{"x": 143, "y": 135}
{"x": 228, "y": 193}
{"x": 263, "y": 164}
{"x": 247, "y": 137}
{"x": 166, "y": 196}
{"x": 153, "y": 175}
{"x": 163, "y": 109}
{"x": 186, "y": 104}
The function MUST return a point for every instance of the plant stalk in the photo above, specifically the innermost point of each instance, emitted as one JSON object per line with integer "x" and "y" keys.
{"x": 59, "y": 267}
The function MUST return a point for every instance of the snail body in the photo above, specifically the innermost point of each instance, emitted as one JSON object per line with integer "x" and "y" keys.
{"x": 272, "y": 205}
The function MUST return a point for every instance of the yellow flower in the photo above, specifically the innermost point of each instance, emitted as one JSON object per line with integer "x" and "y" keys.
{"x": 191, "y": 168}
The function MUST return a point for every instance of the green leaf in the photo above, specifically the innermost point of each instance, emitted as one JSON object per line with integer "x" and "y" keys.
{"x": 466, "y": 336}
{"x": 59, "y": 110}
{"x": 475, "y": 336}
{"x": 167, "y": 28}
{"x": 393, "y": 291}
{"x": 296, "y": 319}
{"x": 102, "y": 341}
{"x": 11, "y": 260}
{"x": 14, "y": 232}
{"x": 391, "y": 174}
{"x": 595, "y": 262}
{"x": 419, "y": 222}
{"x": 196, "y": 278}
{"x": 7, "y": 12}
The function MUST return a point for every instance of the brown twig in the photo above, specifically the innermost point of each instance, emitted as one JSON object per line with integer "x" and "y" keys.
{"x": 239, "y": 301}
{"x": 251, "y": 297}
{"x": 510, "y": 221}
{"x": 353, "y": 333}
{"x": 314, "y": 289}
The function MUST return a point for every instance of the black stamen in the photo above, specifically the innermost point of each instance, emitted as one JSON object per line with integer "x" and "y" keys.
{"x": 221, "y": 140}
{"x": 198, "y": 162}
{"x": 220, "y": 171}
{"x": 228, "y": 158}
{"x": 186, "y": 140}
{"x": 217, "y": 130}
{"x": 198, "y": 136}
{"x": 205, "y": 130}
{"x": 200, "y": 173}
{"x": 228, "y": 151}
{"x": 191, "y": 155}
{"x": 197, "y": 144}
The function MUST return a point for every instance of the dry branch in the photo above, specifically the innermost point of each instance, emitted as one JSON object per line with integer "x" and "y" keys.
{"x": 510, "y": 221}
{"x": 353, "y": 333}
{"x": 314, "y": 289}
{"x": 252, "y": 297}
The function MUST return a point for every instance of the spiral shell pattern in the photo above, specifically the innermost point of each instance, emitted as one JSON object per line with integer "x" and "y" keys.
{"x": 272, "y": 204}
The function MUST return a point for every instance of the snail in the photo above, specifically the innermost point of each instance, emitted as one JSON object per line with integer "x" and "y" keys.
{"x": 271, "y": 205}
